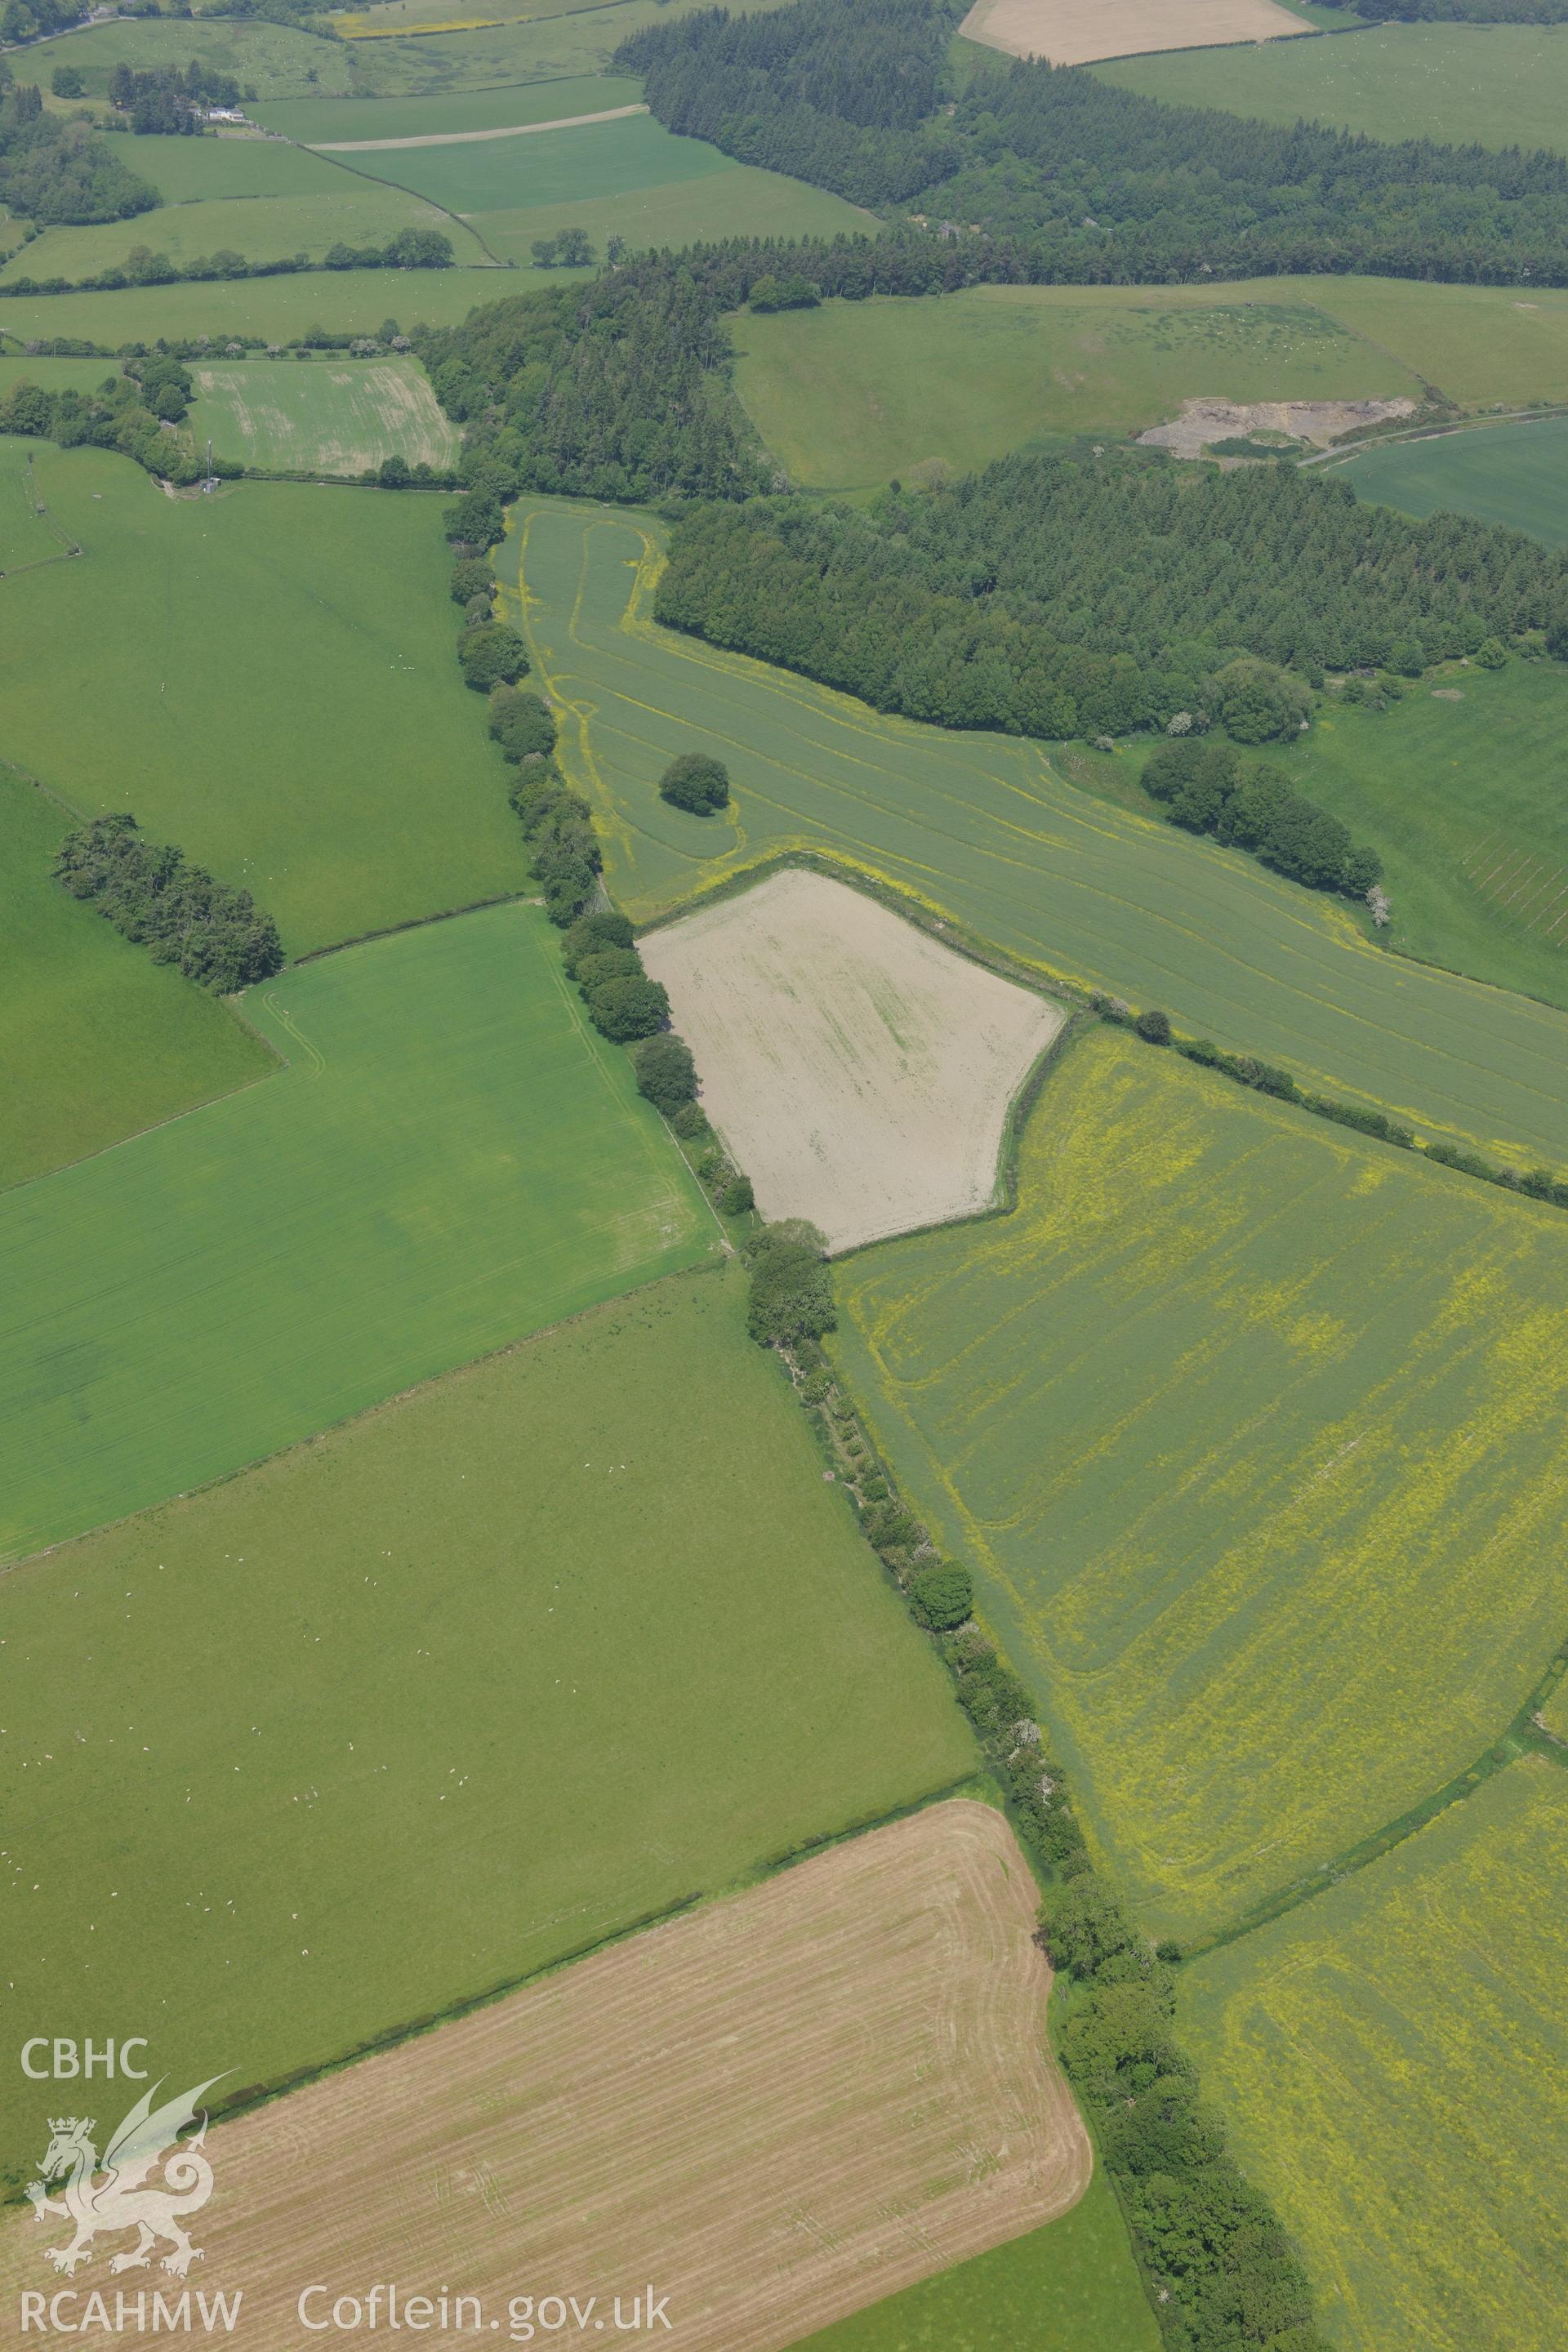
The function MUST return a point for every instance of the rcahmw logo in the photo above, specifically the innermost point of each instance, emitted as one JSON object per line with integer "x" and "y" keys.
{"x": 121, "y": 2193}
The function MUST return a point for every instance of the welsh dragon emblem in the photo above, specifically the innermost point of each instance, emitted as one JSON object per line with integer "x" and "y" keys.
{"x": 120, "y": 2200}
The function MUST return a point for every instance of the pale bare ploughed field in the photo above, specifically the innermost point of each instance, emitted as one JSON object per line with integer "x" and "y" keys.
{"x": 776, "y": 2110}
{"x": 859, "y": 1072}
{"x": 1072, "y": 32}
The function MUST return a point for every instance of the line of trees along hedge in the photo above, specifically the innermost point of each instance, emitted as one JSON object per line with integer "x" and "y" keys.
{"x": 1226, "y": 2274}
{"x": 410, "y": 248}
{"x": 1050, "y": 598}
{"x": 179, "y": 912}
{"x": 1096, "y": 181}
{"x": 57, "y": 172}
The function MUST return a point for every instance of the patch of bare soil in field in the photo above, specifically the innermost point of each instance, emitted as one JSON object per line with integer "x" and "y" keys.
{"x": 1318, "y": 421}
{"x": 859, "y": 1071}
{"x": 778, "y": 2109}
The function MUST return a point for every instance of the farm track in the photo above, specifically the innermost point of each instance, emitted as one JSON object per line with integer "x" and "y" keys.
{"x": 464, "y": 138}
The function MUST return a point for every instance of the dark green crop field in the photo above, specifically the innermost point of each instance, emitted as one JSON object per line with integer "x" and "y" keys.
{"x": 1513, "y": 474}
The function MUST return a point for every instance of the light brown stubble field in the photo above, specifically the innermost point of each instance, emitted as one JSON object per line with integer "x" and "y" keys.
{"x": 1072, "y": 32}
{"x": 781, "y": 2108}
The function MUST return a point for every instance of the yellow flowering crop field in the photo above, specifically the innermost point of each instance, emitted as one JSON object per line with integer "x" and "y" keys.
{"x": 1254, "y": 1434}
{"x": 1393, "y": 2060}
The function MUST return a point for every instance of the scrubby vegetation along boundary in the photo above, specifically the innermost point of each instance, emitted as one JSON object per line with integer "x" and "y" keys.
{"x": 1054, "y": 175}
{"x": 179, "y": 912}
{"x": 1048, "y": 598}
{"x": 407, "y": 248}
{"x": 1212, "y": 2248}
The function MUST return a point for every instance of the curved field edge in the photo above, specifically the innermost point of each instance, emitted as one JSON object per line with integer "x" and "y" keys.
{"x": 1391, "y": 2063}
{"x": 410, "y": 1757}
{"x": 1250, "y": 1429}
{"x": 982, "y": 832}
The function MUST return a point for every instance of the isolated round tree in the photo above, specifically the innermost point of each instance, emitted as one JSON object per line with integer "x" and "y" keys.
{"x": 697, "y": 782}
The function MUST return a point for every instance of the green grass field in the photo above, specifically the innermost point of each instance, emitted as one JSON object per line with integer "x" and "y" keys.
{"x": 1511, "y": 474}
{"x": 856, "y": 393}
{"x": 549, "y": 167}
{"x": 316, "y": 119}
{"x": 1481, "y": 346}
{"x": 594, "y": 1638}
{"x": 1500, "y": 85}
{"x": 344, "y": 301}
{"x": 983, "y": 830}
{"x": 1391, "y": 2061}
{"x": 1072, "y": 2287}
{"x": 29, "y": 535}
{"x": 1254, "y": 1434}
{"x": 335, "y": 418}
{"x": 204, "y": 171}
{"x": 1463, "y": 801}
{"x": 451, "y": 1161}
{"x": 267, "y": 679}
{"x": 739, "y": 202}
{"x": 273, "y": 60}
{"x": 351, "y": 209}
{"x": 97, "y": 1040}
